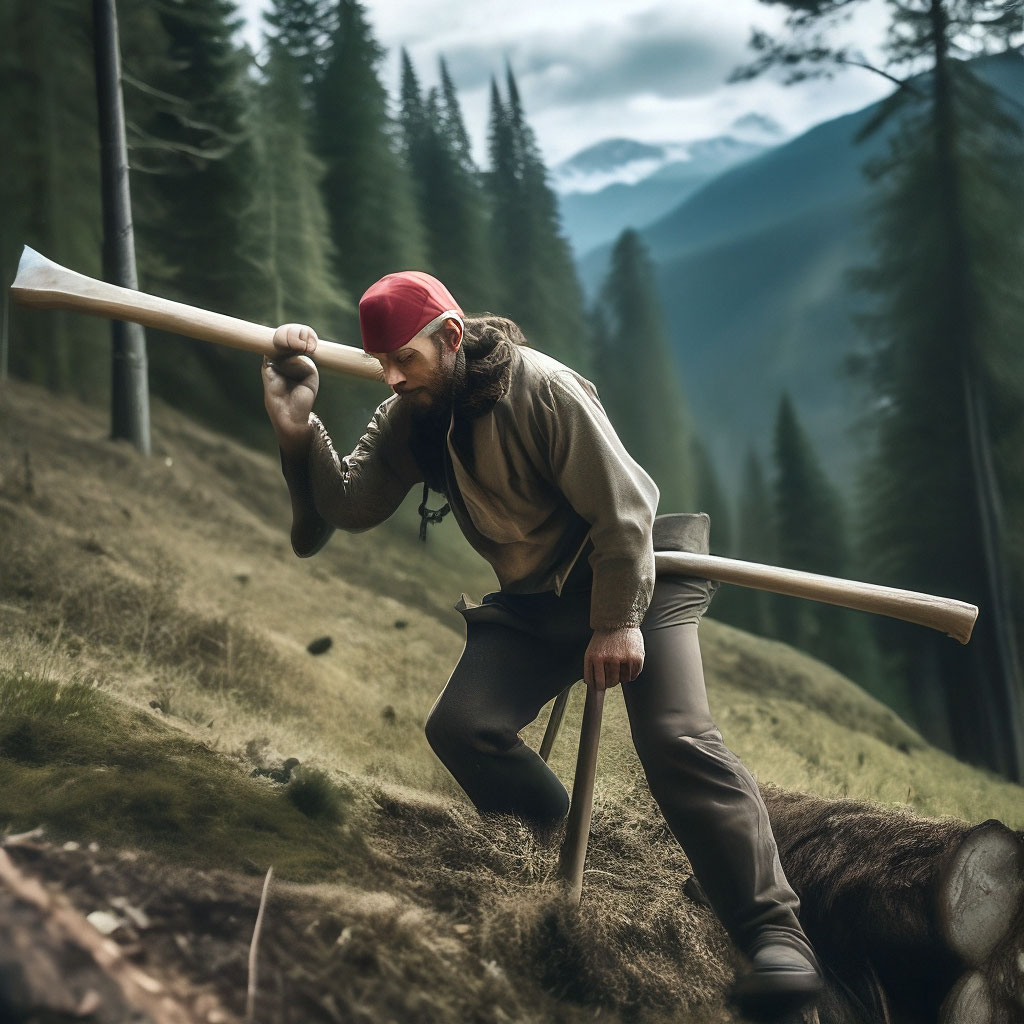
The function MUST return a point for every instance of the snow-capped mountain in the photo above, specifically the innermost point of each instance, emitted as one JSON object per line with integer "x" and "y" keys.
{"x": 621, "y": 183}
{"x": 628, "y": 161}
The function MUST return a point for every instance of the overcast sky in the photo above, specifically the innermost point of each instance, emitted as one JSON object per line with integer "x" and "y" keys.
{"x": 596, "y": 69}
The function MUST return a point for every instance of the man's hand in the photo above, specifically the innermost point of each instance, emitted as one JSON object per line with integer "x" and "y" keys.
{"x": 613, "y": 656}
{"x": 290, "y": 384}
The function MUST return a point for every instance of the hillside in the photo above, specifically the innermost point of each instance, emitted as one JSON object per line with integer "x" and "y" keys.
{"x": 155, "y": 631}
{"x": 753, "y": 270}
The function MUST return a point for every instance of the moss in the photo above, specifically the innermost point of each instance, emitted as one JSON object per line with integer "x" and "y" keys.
{"x": 313, "y": 793}
{"x": 89, "y": 768}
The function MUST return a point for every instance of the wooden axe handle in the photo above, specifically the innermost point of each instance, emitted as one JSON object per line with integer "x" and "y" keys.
{"x": 955, "y": 618}
{"x": 43, "y": 284}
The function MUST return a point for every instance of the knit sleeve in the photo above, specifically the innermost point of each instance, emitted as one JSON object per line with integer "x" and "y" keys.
{"x": 602, "y": 482}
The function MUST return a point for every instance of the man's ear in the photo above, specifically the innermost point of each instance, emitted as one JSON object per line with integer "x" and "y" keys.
{"x": 453, "y": 334}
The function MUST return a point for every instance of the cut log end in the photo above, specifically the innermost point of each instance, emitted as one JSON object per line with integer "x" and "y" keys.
{"x": 981, "y": 890}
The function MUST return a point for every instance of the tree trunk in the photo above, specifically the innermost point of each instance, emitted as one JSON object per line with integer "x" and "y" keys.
{"x": 914, "y": 918}
{"x": 129, "y": 394}
{"x": 1005, "y": 747}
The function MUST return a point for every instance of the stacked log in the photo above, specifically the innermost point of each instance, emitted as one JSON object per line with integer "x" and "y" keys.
{"x": 915, "y": 920}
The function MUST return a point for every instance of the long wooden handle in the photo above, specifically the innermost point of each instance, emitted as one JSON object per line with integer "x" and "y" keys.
{"x": 955, "y": 618}
{"x": 573, "y": 854}
{"x": 43, "y": 284}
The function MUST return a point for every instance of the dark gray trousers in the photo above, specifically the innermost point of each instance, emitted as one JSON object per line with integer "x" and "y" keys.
{"x": 523, "y": 650}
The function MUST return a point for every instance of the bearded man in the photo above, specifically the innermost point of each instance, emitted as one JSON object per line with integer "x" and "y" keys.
{"x": 544, "y": 490}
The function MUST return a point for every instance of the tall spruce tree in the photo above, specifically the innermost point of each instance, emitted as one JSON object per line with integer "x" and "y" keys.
{"x": 635, "y": 372}
{"x": 710, "y": 497}
{"x": 303, "y": 29}
{"x": 190, "y": 116}
{"x": 537, "y": 283}
{"x": 49, "y": 196}
{"x": 942, "y": 508}
{"x": 812, "y": 537}
{"x": 367, "y": 189}
{"x": 294, "y": 244}
{"x": 753, "y": 610}
{"x": 452, "y": 124}
{"x": 208, "y": 181}
{"x": 448, "y": 191}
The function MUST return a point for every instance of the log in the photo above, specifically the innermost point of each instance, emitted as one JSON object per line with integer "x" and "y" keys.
{"x": 910, "y": 915}
{"x": 55, "y": 966}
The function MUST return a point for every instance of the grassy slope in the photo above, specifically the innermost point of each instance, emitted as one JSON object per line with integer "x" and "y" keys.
{"x": 127, "y": 582}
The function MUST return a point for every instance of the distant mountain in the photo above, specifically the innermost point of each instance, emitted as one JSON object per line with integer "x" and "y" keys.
{"x": 608, "y": 162}
{"x": 753, "y": 271}
{"x": 620, "y": 183}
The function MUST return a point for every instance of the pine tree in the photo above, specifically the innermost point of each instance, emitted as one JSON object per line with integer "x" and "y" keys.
{"x": 811, "y": 537}
{"x": 49, "y": 197}
{"x": 637, "y": 377}
{"x": 206, "y": 185}
{"x": 294, "y": 245}
{"x": 452, "y": 124}
{"x": 367, "y": 190}
{"x": 448, "y": 193}
{"x": 191, "y": 126}
{"x": 942, "y": 507}
{"x": 753, "y": 610}
{"x": 537, "y": 280}
{"x": 295, "y": 242}
{"x": 710, "y": 498}
{"x": 303, "y": 28}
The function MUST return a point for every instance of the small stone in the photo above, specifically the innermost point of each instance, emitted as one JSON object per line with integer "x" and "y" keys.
{"x": 104, "y": 922}
{"x": 463, "y": 929}
{"x": 320, "y": 645}
{"x": 168, "y": 462}
{"x": 70, "y": 847}
{"x": 388, "y": 714}
{"x": 400, "y": 623}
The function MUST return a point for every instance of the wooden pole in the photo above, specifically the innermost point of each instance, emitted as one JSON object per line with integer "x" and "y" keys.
{"x": 129, "y": 390}
{"x": 554, "y": 722}
{"x": 573, "y": 854}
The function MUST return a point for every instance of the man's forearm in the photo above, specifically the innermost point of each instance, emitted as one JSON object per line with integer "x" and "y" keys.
{"x": 310, "y": 531}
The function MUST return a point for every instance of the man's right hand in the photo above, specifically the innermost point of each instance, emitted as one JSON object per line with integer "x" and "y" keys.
{"x": 290, "y": 384}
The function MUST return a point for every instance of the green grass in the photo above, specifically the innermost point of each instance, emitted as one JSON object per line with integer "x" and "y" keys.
{"x": 91, "y": 769}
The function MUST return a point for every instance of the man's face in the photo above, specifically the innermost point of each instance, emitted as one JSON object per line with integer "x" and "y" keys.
{"x": 420, "y": 372}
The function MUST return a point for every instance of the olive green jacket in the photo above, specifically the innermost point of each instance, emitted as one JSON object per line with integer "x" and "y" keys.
{"x": 549, "y": 478}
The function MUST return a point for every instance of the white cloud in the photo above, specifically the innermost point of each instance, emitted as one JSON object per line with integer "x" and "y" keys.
{"x": 593, "y": 69}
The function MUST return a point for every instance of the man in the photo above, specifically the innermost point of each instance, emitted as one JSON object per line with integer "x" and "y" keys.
{"x": 542, "y": 487}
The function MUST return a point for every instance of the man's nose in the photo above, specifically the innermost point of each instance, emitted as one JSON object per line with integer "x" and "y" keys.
{"x": 394, "y": 376}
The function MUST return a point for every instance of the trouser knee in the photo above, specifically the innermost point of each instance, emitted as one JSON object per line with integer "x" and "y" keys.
{"x": 680, "y": 754}
{"x": 453, "y": 734}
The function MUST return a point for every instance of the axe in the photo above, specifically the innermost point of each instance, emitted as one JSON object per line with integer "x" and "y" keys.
{"x": 43, "y": 284}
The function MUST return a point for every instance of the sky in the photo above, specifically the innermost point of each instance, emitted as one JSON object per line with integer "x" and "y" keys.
{"x": 589, "y": 70}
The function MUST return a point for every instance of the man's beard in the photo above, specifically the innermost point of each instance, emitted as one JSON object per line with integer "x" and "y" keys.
{"x": 434, "y": 397}
{"x": 430, "y": 412}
